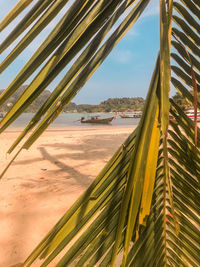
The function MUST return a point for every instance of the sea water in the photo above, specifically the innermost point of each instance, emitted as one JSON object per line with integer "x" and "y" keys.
{"x": 66, "y": 120}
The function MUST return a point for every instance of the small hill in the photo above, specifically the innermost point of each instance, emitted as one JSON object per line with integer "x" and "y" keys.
{"x": 123, "y": 104}
{"x": 110, "y": 105}
{"x": 33, "y": 107}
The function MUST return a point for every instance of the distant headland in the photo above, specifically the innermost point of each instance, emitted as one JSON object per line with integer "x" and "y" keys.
{"x": 109, "y": 105}
{"x": 125, "y": 104}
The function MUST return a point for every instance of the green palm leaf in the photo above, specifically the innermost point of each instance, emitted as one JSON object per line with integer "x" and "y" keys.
{"x": 30, "y": 17}
{"x": 17, "y": 9}
{"x": 145, "y": 202}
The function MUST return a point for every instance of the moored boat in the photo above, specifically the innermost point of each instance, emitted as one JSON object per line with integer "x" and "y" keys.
{"x": 131, "y": 115}
{"x": 190, "y": 114}
{"x": 96, "y": 119}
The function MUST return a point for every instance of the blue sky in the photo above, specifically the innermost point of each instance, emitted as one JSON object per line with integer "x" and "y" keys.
{"x": 125, "y": 73}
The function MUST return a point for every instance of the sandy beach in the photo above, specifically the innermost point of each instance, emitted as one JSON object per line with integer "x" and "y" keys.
{"x": 45, "y": 181}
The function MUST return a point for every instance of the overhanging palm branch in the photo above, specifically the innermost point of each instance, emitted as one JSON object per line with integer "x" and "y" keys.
{"x": 145, "y": 202}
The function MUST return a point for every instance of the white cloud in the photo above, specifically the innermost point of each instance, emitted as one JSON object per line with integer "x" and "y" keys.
{"x": 132, "y": 32}
{"x": 121, "y": 56}
{"x": 152, "y": 9}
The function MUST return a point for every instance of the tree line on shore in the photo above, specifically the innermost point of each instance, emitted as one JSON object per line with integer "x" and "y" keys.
{"x": 109, "y": 105}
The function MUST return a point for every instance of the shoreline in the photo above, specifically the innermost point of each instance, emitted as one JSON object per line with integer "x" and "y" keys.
{"x": 94, "y": 126}
{"x": 78, "y": 128}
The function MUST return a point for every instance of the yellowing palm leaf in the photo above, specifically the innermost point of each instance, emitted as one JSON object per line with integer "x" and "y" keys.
{"x": 145, "y": 202}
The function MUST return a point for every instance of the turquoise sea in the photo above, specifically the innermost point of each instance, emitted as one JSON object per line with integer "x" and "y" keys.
{"x": 66, "y": 120}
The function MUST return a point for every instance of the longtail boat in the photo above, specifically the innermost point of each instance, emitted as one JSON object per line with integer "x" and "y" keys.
{"x": 96, "y": 119}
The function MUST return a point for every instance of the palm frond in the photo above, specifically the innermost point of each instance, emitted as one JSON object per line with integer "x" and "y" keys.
{"x": 30, "y": 17}
{"x": 144, "y": 204}
{"x": 17, "y": 9}
{"x": 159, "y": 244}
{"x": 90, "y": 65}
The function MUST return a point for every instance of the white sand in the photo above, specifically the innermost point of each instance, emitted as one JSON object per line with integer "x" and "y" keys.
{"x": 45, "y": 181}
